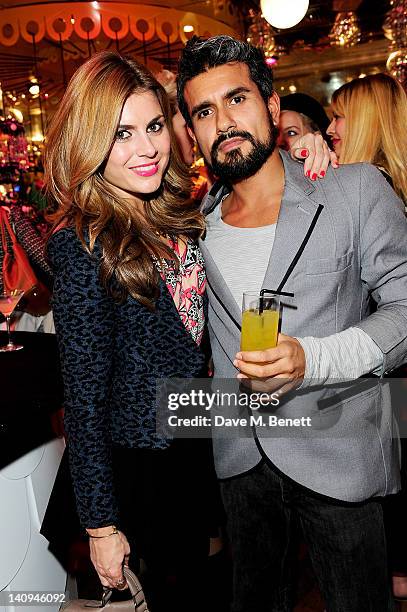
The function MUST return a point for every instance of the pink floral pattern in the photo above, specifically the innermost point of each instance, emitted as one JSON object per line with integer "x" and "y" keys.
{"x": 187, "y": 285}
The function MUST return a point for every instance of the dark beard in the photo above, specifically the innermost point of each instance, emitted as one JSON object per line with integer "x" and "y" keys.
{"x": 236, "y": 165}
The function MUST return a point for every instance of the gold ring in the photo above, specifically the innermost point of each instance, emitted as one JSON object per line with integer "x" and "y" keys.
{"x": 121, "y": 583}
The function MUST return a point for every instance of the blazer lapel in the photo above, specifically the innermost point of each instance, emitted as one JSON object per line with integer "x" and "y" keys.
{"x": 296, "y": 215}
{"x": 220, "y": 291}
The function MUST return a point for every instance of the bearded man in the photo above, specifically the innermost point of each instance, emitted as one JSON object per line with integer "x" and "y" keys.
{"x": 340, "y": 246}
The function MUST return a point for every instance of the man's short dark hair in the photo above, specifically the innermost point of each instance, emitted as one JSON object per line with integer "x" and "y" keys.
{"x": 201, "y": 54}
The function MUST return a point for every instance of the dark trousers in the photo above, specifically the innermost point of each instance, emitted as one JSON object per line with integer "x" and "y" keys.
{"x": 395, "y": 513}
{"x": 346, "y": 544}
{"x": 165, "y": 499}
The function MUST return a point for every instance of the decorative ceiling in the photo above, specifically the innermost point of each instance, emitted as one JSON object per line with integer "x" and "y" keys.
{"x": 304, "y": 56}
{"x": 50, "y": 39}
{"x": 44, "y": 42}
{"x": 313, "y": 30}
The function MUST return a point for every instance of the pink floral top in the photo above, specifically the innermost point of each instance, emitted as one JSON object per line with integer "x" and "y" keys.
{"x": 187, "y": 286}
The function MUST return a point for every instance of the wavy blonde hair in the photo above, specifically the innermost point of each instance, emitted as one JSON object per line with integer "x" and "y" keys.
{"x": 375, "y": 109}
{"x": 78, "y": 144}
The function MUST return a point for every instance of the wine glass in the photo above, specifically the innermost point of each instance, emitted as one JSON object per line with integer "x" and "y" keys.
{"x": 8, "y": 301}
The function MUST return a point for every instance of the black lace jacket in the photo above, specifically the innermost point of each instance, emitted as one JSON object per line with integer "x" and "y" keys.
{"x": 112, "y": 355}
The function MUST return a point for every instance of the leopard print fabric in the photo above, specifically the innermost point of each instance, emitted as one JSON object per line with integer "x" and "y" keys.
{"x": 111, "y": 357}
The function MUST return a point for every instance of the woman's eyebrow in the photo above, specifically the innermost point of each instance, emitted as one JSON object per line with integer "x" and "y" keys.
{"x": 160, "y": 116}
{"x": 129, "y": 126}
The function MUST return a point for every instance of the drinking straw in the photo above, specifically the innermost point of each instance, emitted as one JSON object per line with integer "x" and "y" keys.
{"x": 272, "y": 292}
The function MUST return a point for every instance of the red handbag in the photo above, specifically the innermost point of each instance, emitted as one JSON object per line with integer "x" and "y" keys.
{"x": 18, "y": 273}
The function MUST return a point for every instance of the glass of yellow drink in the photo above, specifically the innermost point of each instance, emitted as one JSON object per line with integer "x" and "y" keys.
{"x": 260, "y": 321}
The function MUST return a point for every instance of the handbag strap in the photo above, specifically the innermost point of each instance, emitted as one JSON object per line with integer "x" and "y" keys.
{"x": 5, "y": 226}
{"x": 136, "y": 590}
{"x": 3, "y": 231}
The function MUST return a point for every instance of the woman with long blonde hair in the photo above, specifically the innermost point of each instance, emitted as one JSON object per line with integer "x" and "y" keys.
{"x": 129, "y": 309}
{"x": 369, "y": 125}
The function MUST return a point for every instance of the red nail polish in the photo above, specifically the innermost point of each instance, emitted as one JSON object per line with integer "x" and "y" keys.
{"x": 308, "y": 173}
{"x": 304, "y": 153}
{"x": 322, "y": 173}
{"x": 313, "y": 177}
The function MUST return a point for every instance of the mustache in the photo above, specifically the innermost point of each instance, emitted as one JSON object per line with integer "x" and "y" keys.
{"x": 228, "y": 136}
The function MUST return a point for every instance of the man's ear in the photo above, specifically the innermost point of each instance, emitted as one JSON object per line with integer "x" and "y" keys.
{"x": 274, "y": 107}
{"x": 191, "y": 133}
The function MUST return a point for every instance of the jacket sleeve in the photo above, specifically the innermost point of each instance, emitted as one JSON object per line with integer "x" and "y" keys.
{"x": 383, "y": 253}
{"x": 84, "y": 322}
{"x": 30, "y": 240}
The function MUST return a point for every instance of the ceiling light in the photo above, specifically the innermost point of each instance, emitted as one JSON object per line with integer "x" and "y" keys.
{"x": 18, "y": 114}
{"x": 282, "y": 14}
{"x": 346, "y": 31}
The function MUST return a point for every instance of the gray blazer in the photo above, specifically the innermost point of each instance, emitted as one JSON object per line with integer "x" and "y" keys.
{"x": 357, "y": 251}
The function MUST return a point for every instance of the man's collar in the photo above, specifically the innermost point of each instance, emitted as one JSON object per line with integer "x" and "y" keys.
{"x": 294, "y": 176}
{"x": 215, "y": 195}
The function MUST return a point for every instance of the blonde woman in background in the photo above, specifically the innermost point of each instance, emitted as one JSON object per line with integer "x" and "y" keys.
{"x": 369, "y": 125}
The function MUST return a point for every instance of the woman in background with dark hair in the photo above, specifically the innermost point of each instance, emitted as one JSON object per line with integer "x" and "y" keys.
{"x": 300, "y": 114}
